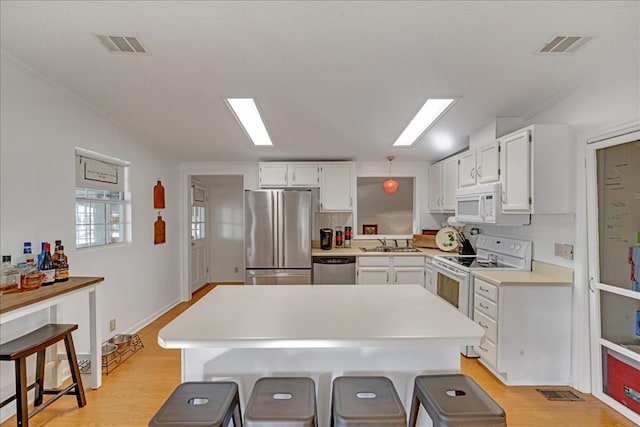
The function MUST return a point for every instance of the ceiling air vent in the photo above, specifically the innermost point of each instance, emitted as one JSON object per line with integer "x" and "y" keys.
{"x": 564, "y": 44}
{"x": 122, "y": 44}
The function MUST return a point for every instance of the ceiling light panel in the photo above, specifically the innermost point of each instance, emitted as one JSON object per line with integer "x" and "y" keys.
{"x": 430, "y": 112}
{"x": 246, "y": 112}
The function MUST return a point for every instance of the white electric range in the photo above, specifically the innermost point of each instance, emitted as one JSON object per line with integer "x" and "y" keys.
{"x": 454, "y": 282}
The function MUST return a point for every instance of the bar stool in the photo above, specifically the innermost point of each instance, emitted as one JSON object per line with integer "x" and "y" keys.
{"x": 361, "y": 401}
{"x": 37, "y": 341}
{"x": 202, "y": 403}
{"x": 282, "y": 402}
{"x": 455, "y": 400}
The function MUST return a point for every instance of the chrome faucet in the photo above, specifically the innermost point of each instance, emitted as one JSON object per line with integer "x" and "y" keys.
{"x": 383, "y": 241}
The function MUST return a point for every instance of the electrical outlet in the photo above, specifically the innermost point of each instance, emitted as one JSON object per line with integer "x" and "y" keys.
{"x": 112, "y": 325}
{"x": 567, "y": 251}
{"x": 236, "y": 270}
{"x": 557, "y": 249}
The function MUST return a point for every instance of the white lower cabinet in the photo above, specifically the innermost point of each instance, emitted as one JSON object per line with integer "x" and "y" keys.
{"x": 383, "y": 270}
{"x": 527, "y": 331}
{"x": 429, "y": 283}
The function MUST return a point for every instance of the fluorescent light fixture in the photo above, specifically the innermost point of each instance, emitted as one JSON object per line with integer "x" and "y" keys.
{"x": 246, "y": 112}
{"x": 431, "y": 111}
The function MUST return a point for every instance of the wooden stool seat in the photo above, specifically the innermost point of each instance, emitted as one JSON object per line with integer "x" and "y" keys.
{"x": 37, "y": 342}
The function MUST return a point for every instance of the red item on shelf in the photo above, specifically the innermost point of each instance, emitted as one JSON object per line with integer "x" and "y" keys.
{"x": 623, "y": 382}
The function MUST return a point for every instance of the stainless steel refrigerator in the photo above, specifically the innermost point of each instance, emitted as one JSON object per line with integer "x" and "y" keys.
{"x": 277, "y": 237}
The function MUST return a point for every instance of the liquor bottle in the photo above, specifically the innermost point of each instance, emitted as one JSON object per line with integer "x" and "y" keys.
{"x": 47, "y": 268}
{"x": 62, "y": 265}
{"x": 30, "y": 277}
{"x": 41, "y": 254}
{"x": 27, "y": 256}
{"x": 54, "y": 255}
{"x": 9, "y": 276}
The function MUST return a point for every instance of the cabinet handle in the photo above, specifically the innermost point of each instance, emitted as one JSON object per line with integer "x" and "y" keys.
{"x": 483, "y": 306}
{"x": 480, "y": 323}
{"x": 395, "y": 277}
{"x": 478, "y": 171}
{"x": 483, "y": 349}
{"x": 504, "y": 197}
{"x": 293, "y": 176}
{"x": 483, "y": 289}
{"x": 387, "y": 277}
{"x": 471, "y": 172}
{"x": 350, "y": 201}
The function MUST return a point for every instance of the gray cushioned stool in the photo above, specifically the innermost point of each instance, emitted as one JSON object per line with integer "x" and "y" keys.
{"x": 455, "y": 401}
{"x": 366, "y": 401}
{"x": 204, "y": 403}
{"x": 282, "y": 402}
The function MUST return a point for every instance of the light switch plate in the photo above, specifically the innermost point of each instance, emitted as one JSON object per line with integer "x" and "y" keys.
{"x": 557, "y": 249}
{"x": 567, "y": 251}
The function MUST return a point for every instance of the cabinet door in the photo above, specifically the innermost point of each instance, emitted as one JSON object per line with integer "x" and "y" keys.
{"x": 435, "y": 185}
{"x": 336, "y": 187}
{"x": 428, "y": 279}
{"x": 304, "y": 175}
{"x": 515, "y": 164}
{"x": 408, "y": 276}
{"x": 449, "y": 184}
{"x": 488, "y": 163}
{"x": 467, "y": 169}
{"x": 273, "y": 175}
{"x": 373, "y": 275}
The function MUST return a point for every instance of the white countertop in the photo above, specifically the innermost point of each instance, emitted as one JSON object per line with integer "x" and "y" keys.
{"x": 541, "y": 274}
{"x": 312, "y": 316}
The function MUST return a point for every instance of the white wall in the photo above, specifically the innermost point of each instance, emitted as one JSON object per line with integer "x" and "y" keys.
{"x": 41, "y": 125}
{"x": 227, "y": 231}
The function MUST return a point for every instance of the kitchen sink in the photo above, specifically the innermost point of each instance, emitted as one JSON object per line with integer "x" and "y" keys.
{"x": 389, "y": 249}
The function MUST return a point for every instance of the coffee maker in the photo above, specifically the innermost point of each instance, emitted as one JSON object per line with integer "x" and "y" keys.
{"x": 326, "y": 237}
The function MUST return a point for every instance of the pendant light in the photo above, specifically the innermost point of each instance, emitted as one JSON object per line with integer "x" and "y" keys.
{"x": 390, "y": 186}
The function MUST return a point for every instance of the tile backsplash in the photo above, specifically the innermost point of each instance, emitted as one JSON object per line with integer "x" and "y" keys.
{"x": 330, "y": 220}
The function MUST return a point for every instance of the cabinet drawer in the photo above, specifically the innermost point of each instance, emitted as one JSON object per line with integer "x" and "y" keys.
{"x": 487, "y": 351}
{"x": 485, "y": 306}
{"x": 375, "y": 261}
{"x": 490, "y": 326}
{"x": 486, "y": 289}
{"x": 408, "y": 261}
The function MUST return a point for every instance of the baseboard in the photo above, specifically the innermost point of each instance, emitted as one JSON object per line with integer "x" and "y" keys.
{"x": 149, "y": 319}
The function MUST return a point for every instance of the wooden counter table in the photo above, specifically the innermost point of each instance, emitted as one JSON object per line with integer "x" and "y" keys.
{"x": 245, "y": 332}
{"x": 19, "y": 304}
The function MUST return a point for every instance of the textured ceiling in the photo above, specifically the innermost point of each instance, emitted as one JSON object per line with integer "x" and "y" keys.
{"x": 333, "y": 79}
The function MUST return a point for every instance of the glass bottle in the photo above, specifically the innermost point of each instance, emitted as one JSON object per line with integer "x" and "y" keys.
{"x": 30, "y": 277}
{"x": 47, "y": 268}
{"x": 41, "y": 254}
{"x": 9, "y": 276}
{"x": 54, "y": 255}
{"x": 339, "y": 237}
{"x": 62, "y": 265}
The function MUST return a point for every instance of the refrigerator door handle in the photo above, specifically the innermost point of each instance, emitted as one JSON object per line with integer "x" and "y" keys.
{"x": 275, "y": 210}
{"x": 280, "y": 228}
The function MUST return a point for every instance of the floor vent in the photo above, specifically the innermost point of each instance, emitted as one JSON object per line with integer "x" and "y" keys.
{"x": 559, "y": 395}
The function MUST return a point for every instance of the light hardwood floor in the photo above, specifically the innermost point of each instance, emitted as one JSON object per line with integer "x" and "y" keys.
{"x": 132, "y": 393}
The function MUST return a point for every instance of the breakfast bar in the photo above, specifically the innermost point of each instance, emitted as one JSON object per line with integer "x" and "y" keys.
{"x": 242, "y": 333}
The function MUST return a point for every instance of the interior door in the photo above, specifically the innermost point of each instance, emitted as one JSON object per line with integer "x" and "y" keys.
{"x": 199, "y": 238}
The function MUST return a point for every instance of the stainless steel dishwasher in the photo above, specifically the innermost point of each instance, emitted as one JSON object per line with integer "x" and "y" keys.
{"x": 336, "y": 270}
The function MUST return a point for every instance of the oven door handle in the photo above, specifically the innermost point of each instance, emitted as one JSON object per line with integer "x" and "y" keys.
{"x": 443, "y": 269}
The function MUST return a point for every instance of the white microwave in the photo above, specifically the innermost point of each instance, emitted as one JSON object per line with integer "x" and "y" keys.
{"x": 482, "y": 204}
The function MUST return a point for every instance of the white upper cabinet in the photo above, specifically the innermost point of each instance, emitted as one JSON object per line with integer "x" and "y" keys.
{"x": 515, "y": 166}
{"x": 488, "y": 163}
{"x": 304, "y": 175}
{"x": 273, "y": 174}
{"x": 337, "y": 183}
{"x": 283, "y": 174}
{"x": 443, "y": 182}
{"x": 467, "y": 169}
{"x": 479, "y": 166}
{"x": 536, "y": 170}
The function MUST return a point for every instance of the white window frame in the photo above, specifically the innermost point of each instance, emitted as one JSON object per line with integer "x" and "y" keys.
{"x": 198, "y": 204}
{"x": 103, "y": 204}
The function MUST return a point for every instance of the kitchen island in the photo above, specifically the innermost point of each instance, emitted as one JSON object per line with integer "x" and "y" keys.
{"x": 245, "y": 332}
